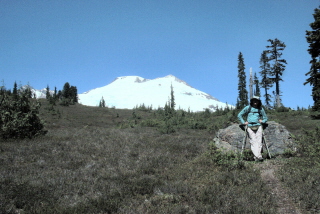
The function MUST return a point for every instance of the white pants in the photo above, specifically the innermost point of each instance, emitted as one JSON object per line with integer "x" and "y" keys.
{"x": 256, "y": 141}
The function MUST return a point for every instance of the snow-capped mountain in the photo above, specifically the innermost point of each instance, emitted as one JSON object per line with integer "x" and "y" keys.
{"x": 131, "y": 91}
{"x": 41, "y": 93}
{"x": 36, "y": 92}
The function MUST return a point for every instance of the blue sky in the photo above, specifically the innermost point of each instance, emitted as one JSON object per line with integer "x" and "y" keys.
{"x": 89, "y": 43}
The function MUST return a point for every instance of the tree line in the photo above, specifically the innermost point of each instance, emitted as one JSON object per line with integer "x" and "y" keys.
{"x": 272, "y": 67}
{"x": 67, "y": 96}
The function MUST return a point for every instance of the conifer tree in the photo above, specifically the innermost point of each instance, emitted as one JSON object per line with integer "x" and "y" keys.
{"x": 102, "y": 103}
{"x": 73, "y": 93}
{"x": 15, "y": 90}
{"x": 28, "y": 91}
{"x": 313, "y": 38}
{"x": 59, "y": 95}
{"x": 266, "y": 82}
{"x": 69, "y": 94}
{"x": 48, "y": 95}
{"x": 55, "y": 94}
{"x": 242, "y": 100}
{"x": 66, "y": 90}
{"x": 172, "y": 103}
{"x": 256, "y": 85}
{"x": 279, "y": 65}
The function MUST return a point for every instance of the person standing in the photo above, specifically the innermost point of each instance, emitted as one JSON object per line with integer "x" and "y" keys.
{"x": 256, "y": 116}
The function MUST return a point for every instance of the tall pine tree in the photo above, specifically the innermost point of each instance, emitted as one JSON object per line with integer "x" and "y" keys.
{"x": 313, "y": 38}
{"x": 48, "y": 95}
{"x": 73, "y": 94}
{"x": 266, "y": 82}
{"x": 55, "y": 95}
{"x": 15, "y": 90}
{"x": 172, "y": 101}
{"x": 66, "y": 90}
{"x": 279, "y": 65}
{"x": 242, "y": 90}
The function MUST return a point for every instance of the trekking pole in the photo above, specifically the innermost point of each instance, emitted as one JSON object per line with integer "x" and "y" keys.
{"x": 244, "y": 139}
{"x": 265, "y": 143}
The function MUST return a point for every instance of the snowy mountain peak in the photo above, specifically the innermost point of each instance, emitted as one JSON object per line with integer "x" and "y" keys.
{"x": 130, "y": 79}
{"x": 128, "y": 92}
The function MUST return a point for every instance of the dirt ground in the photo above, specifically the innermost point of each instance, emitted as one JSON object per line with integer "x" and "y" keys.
{"x": 285, "y": 203}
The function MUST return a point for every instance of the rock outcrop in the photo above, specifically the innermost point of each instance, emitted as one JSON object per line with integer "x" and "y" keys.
{"x": 278, "y": 138}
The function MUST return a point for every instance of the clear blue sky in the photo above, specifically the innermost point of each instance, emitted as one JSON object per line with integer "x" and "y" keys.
{"x": 89, "y": 43}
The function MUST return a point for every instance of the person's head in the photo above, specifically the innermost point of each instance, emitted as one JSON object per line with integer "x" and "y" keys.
{"x": 255, "y": 102}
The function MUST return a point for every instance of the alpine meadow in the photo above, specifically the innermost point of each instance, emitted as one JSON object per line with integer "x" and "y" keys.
{"x": 104, "y": 160}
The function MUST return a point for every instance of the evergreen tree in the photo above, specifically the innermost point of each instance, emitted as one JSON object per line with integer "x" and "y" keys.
{"x": 279, "y": 65}
{"x": 55, "y": 95}
{"x": 28, "y": 91}
{"x": 172, "y": 103}
{"x": 69, "y": 95}
{"x": 48, "y": 95}
{"x": 266, "y": 82}
{"x": 313, "y": 38}
{"x": 256, "y": 84}
{"x": 66, "y": 90}
{"x": 73, "y": 94}
{"x": 102, "y": 103}
{"x": 15, "y": 90}
{"x": 59, "y": 95}
{"x": 242, "y": 100}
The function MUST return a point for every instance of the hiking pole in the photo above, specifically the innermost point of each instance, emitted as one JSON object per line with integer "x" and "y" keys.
{"x": 244, "y": 139}
{"x": 265, "y": 143}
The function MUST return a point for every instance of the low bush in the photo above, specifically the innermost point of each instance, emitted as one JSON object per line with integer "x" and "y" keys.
{"x": 226, "y": 159}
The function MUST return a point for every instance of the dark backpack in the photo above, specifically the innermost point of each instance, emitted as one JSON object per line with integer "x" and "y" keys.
{"x": 264, "y": 125}
{"x": 249, "y": 110}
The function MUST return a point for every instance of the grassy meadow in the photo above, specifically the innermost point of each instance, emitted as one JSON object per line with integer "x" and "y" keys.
{"x": 105, "y": 160}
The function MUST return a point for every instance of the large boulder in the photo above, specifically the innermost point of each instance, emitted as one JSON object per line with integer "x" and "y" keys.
{"x": 278, "y": 138}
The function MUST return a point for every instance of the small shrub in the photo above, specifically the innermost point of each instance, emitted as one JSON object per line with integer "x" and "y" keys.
{"x": 289, "y": 153}
{"x": 151, "y": 123}
{"x": 226, "y": 159}
{"x": 167, "y": 128}
{"x": 282, "y": 109}
{"x": 135, "y": 115}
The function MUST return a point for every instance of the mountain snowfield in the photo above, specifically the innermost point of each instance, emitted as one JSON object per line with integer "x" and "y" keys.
{"x": 128, "y": 92}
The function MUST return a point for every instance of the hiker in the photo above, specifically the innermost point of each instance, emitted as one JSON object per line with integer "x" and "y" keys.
{"x": 256, "y": 116}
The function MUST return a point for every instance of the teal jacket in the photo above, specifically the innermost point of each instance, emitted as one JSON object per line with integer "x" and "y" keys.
{"x": 253, "y": 116}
